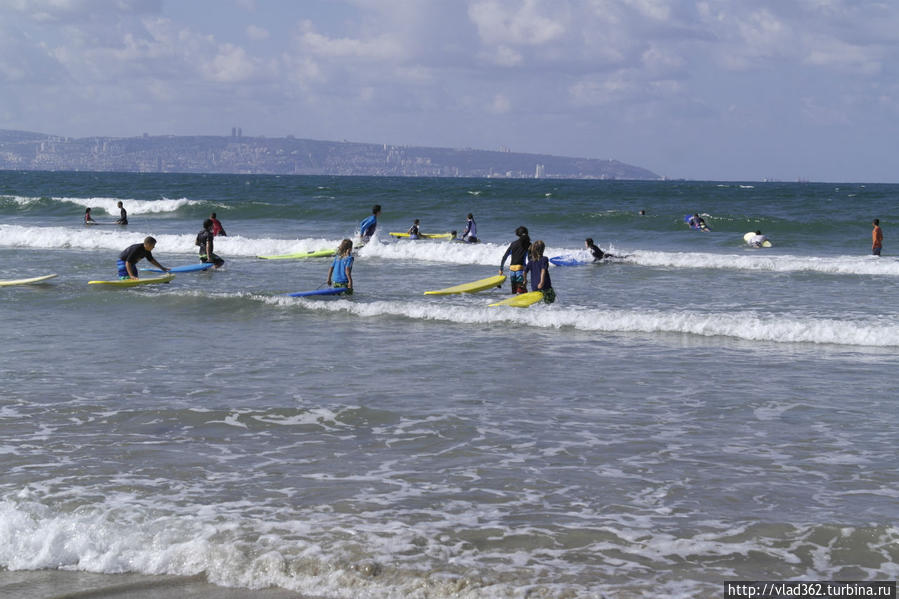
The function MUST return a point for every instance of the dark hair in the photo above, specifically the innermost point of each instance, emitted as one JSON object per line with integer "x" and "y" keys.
{"x": 758, "y": 232}
{"x": 207, "y": 223}
{"x": 212, "y": 215}
{"x": 470, "y": 215}
{"x": 876, "y": 221}
{"x": 87, "y": 209}
{"x": 376, "y": 208}
{"x": 589, "y": 241}
{"x": 150, "y": 240}
{"x": 521, "y": 231}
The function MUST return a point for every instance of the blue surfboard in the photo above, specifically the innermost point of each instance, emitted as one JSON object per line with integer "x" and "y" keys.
{"x": 328, "y": 291}
{"x": 185, "y": 268}
{"x": 687, "y": 218}
{"x": 566, "y": 261}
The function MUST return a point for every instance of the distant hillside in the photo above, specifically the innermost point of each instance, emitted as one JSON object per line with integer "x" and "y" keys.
{"x": 22, "y": 150}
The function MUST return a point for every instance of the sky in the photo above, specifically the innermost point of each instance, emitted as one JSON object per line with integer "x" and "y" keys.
{"x": 699, "y": 89}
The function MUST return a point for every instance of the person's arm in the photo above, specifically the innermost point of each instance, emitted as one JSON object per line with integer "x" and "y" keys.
{"x": 349, "y": 276}
{"x": 209, "y": 247}
{"x": 542, "y": 279}
{"x": 129, "y": 267}
{"x": 503, "y": 261}
{"x": 330, "y": 272}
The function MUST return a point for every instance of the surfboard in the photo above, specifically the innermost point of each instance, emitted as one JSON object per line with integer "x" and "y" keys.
{"x": 751, "y": 234}
{"x": 522, "y": 300}
{"x": 328, "y": 291}
{"x": 567, "y": 261}
{"x": 134, "y": 282}
{"x": 185, "y": 268}
{"x": 298, "y": 255}
{"x": 473, "y": 287}
{"x": 11, "y": 282}
{"x": 426, "y": 235}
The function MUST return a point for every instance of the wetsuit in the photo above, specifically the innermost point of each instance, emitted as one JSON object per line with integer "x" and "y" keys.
{"x": 205, "y": 241}
{"x": 518, "y": 250}
{"x": 598, "y": 254}
{"x": 123, "y": 218}
{"x": 534, "y": 270}
{"x": 470, "y": 234}
{"x": 132, "y": 255}
{"x": 414, "y": 232}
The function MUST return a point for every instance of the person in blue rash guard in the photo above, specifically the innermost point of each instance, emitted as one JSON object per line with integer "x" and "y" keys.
{"x": 538, "y": 272}
{"x": 367, "y": 227}
{"x": 518, "y": 251}
{"x": 133, "y": 254}
{"x": 341, "y": 272}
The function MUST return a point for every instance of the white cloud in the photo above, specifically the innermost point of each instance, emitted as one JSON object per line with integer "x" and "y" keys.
{"x": 256, "y": 33}
{"x": 516, "y": 23}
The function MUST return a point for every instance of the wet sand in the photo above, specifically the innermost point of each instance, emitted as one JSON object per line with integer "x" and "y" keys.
{"x": 57, "y": 584}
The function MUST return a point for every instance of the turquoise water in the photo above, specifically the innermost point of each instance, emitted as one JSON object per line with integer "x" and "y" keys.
{"x": 695, "y": 412}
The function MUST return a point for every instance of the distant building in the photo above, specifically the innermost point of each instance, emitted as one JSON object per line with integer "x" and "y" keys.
{"x": 541, "y": 172}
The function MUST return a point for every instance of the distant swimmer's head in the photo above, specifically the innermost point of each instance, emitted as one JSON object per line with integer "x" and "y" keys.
{"x": 643, "y": 213}
{"x": 876, "y": 222}
{"x": 207, "y": 224}
{"x": 470, "y": 215}
{"x": 758, "y": 232}
{"x": 149, "y": 243}
{"x": 589, "y": 241}
{"x": 521, "y": 231}
{"x": 212, "y": 215}
{"x": 376, "y": 209}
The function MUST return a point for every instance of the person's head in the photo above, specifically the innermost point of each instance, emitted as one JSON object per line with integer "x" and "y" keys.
{"x": 876, "y": 222}
{"x": 416, "y": 221}
{"x": 213, "y": 215}
{"x": 207, "y": 224}
{"x": 643, "y": 213}
{"x": 149, "y": 243}
{"x": 589, "y": 242}
{"x": 536, "y": 250}
{"x": 695, "y": 215}
{"x": 376, "y": 209}
{"x": 758, "y": 232}
{"x": 87, "y": 210}
{"x": 521, "y": 231}
{"x": 345, "y": 247}
{"x": 119, "y": 204}
{"x": 470, "y": 215}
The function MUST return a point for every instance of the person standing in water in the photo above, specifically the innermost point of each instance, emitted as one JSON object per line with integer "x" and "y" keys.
{"x": 470, "y": 234}
{"x": 217, "y": 228}
{"x": 123, "y": 215}
{"x": 206, "y": 245}
{"x": 414, "y": 231}
{"x": 341, "y": 272}
{"x": 518, "y": 251}
{"x": 876, "y": 237}
{"x": 367, "y": 227}
{"x": 538, "y": 271}
{"x": 88, "y": 219}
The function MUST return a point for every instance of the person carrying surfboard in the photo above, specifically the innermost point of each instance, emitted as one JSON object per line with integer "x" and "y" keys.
{"x": 518, "y": 251}
{"x": 470, "y": 234}
{"x": 538, "y": 271}
{"x": 130, "y": 256}
{"x": 206, "y": 245}
{"x": 341, "y": 270}
{"x": 367, "y": 227}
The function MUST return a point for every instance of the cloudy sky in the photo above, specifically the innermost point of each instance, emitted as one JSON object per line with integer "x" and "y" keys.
{"x": 699, "y": 89}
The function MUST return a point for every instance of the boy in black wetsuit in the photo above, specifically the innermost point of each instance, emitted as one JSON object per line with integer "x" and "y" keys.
{"x": 205, "y": 243}
{"x": 123, "y": 216}
{"x": 518, "y": 250}
{"x": 133, "y": 254}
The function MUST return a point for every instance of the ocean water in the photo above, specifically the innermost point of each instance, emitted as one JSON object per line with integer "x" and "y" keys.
{"x": 694, "y": 412}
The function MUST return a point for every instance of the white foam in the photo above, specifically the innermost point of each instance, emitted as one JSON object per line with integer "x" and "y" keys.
{"x": 843, "y": 265}
{"x": 109, "y": 205}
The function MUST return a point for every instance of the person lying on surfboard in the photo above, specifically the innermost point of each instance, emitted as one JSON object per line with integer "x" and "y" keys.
{"x": 133, "y": 254}
{"x": 697, "y": 222}
{"x": 598, "y": 254}
{"x": 342, "y": 268}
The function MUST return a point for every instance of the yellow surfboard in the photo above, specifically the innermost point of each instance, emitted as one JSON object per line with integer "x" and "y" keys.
{"x": 522, "y": 300}
{"x": 473, "y": 287}
{"x": 426, "y": 235}
{"x": 299, "y": 255}
{"x": 134, "y": 282}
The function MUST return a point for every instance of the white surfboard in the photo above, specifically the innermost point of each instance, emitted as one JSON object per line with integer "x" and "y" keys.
{"x": 11, "y": 282}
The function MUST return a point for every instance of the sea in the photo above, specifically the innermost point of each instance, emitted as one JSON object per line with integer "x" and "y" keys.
{"x": 691, "y": 412}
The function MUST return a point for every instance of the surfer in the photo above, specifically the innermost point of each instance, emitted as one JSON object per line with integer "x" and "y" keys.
{"x": 342, "y": 268}
{"x": 367, "y": 227}
{"x": 217, "y": 228}
{"x": 538, "y": 271}
{"x": 414, "y": 231}
{"x": 88, "y": 219}
{"x": 597, "y": 253}
{"x": 757, "y": 240}
{"x": 876, "y": 238}
{"x": 518, "y": 251}
{"x": 697, "y": 222}
{"x": 133, "y": 254}
{"x": 123, "y": 216}
{"x": 470, "y": 234}
{"x": 205, "y": 243}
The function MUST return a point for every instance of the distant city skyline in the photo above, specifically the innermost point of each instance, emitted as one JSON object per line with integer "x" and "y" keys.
{"x": 696, "y": 89}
